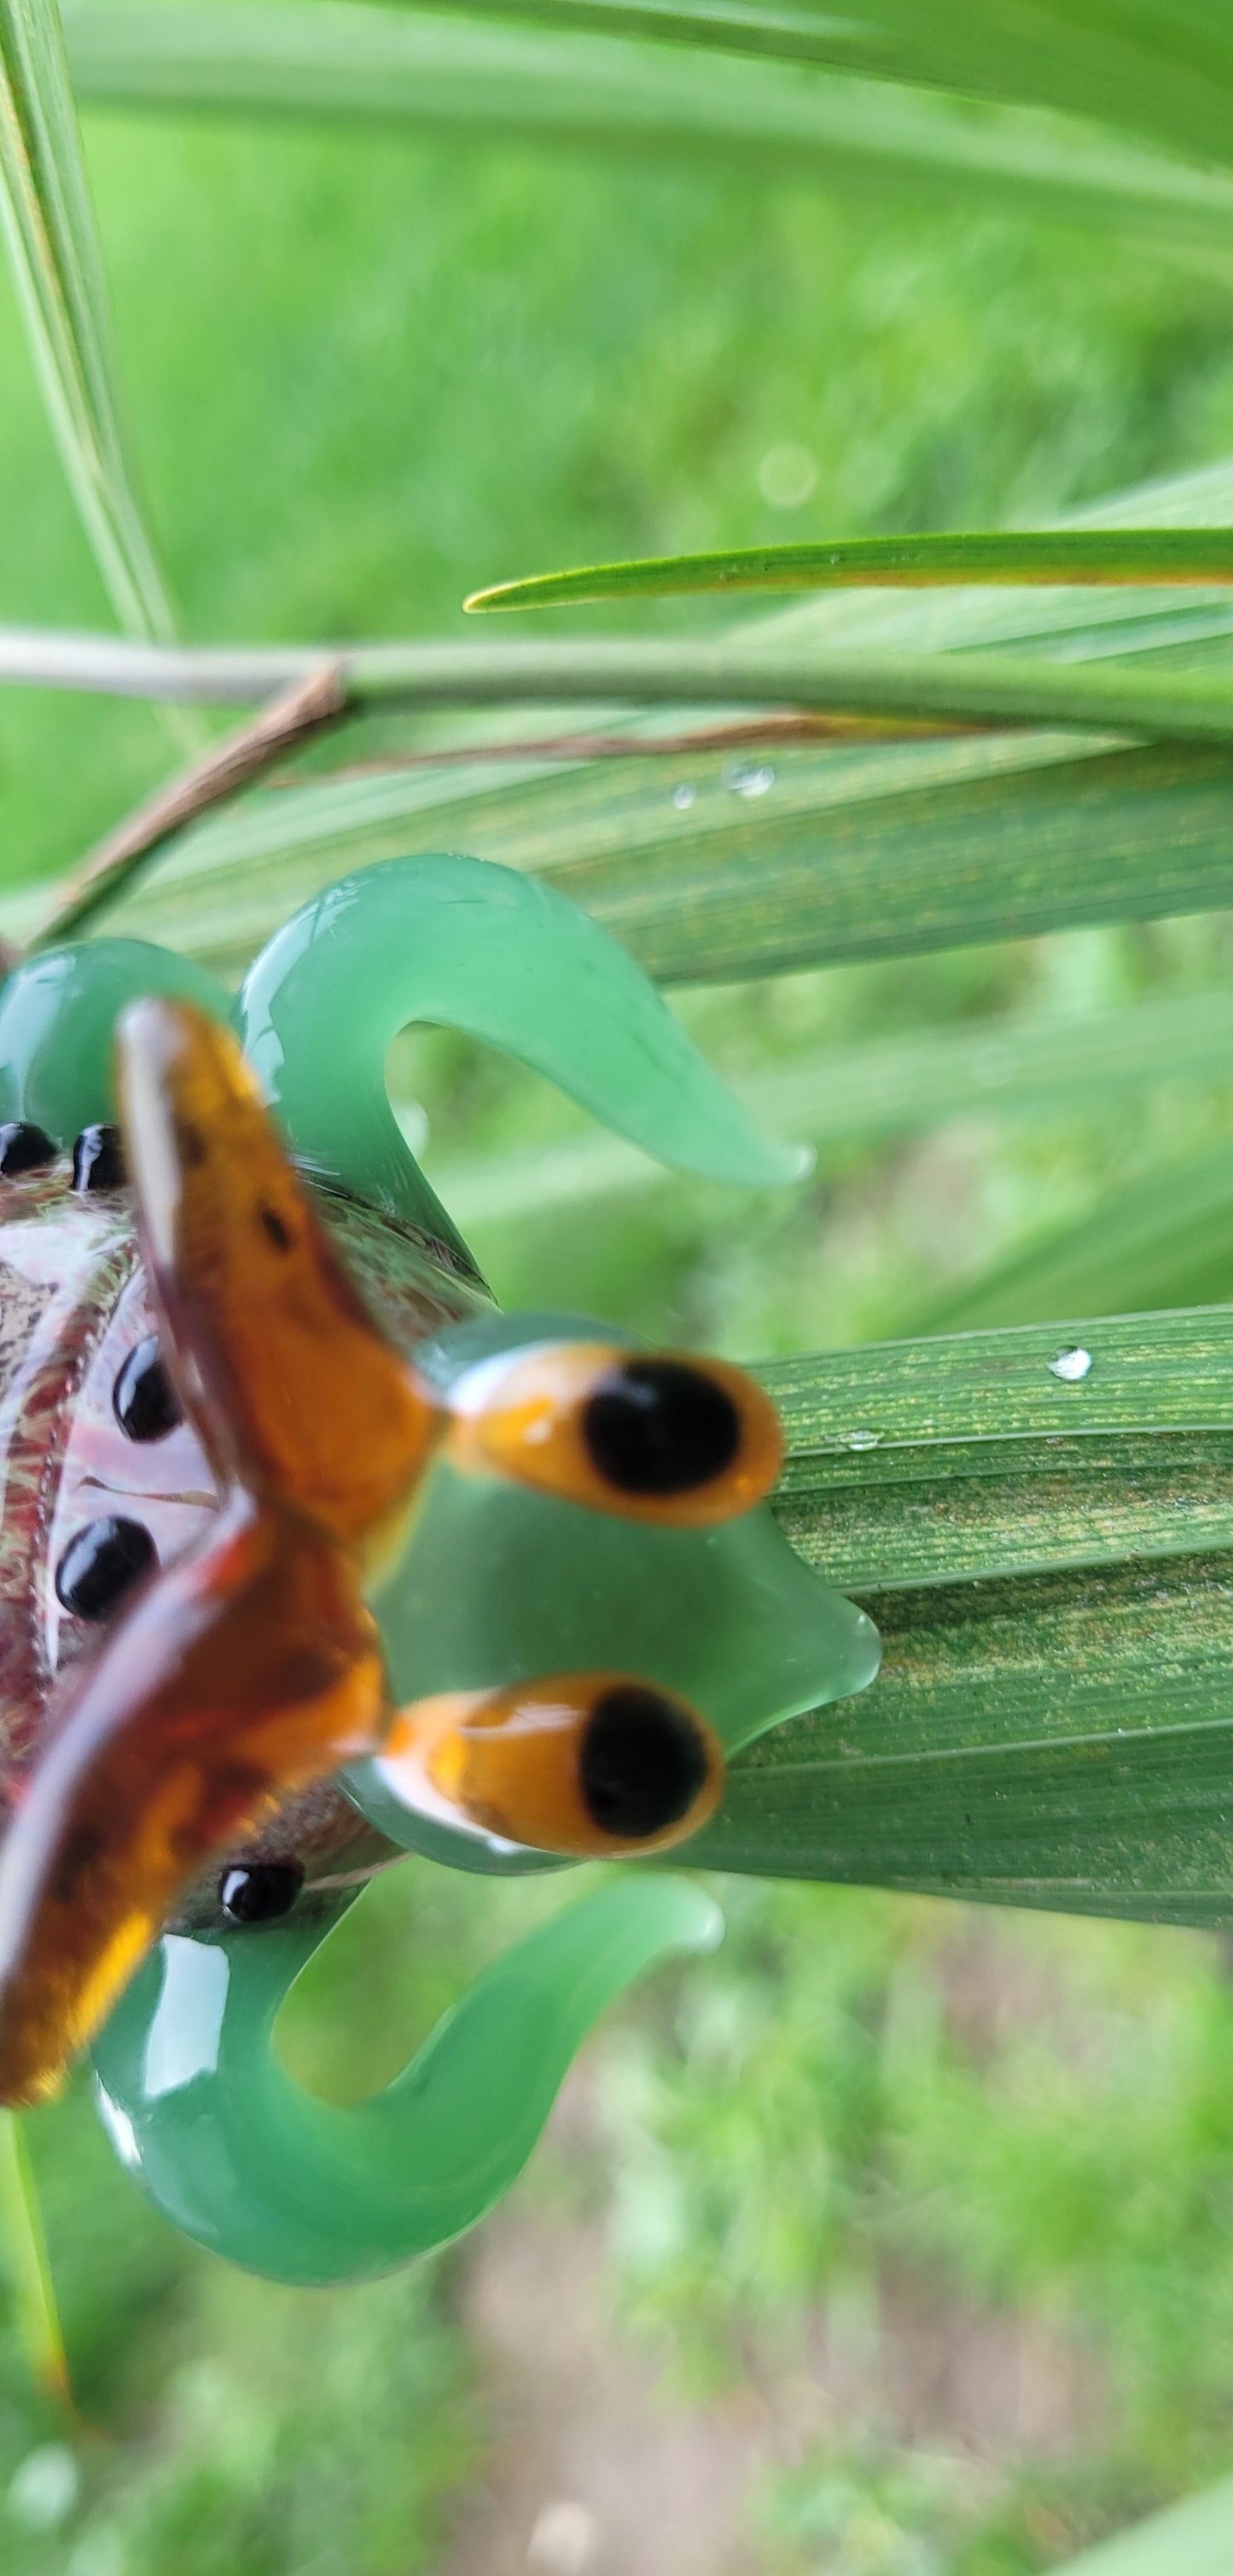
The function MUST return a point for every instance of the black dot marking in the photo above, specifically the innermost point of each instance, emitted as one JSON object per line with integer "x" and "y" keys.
{"x": 101, "y": 1564}
{"x": 659, "y": 1427}
{"x": 146, "y": 1404}
{"x": 261, "y": 1892}
{"x": 24, "y": 1148}
{"x": 98, "y": 1160}
{"x": 279, "y": 1234}
{"x": 641, "y": 1764}
{"x": 192, "y": 1145}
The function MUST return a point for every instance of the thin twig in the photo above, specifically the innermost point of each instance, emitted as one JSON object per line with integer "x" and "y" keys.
{"x": 308, "y": 708}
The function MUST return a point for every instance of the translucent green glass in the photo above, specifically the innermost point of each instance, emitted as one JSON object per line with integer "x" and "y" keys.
{"x": 499, "y": 1584}
{"x": 249, "y": 2164}
{"x": 473, "y": 946}
{"x": 496, "y": 1583}
{"x": 58, "y": 1012}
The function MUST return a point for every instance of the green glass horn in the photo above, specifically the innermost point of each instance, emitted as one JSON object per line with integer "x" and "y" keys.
{"x": 58, "y": 1013}
{"x": 248, "y": 2163}
{"x": 469, "y": 945}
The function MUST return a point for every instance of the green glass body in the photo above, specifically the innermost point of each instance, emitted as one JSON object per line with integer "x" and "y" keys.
{"x": 495, "y": 1583}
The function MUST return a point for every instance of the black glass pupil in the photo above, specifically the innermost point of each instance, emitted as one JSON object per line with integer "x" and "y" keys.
{"x": 146, "y": 1404}
{"x": 659, "y": 1427}
{"x": 98, "y": 1162}
{"x": 101, "y": 1564}
{"x": 24, "y": 1148}
{"x": 260, "y": 1892}
{"x": 641, "y": 1763}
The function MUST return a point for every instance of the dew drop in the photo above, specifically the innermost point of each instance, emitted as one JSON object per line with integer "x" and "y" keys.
{"x": 749, "y": 777}
{"x": 1071, "y": 1365}
{"x": 684, "y": 796}
{"x": 862, "y": 1439}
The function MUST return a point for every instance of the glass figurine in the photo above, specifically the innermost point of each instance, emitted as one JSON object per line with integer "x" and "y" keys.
{"x": 309, "y": 1555}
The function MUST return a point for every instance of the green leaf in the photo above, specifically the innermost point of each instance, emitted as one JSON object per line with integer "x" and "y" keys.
{"x": 859, "y": 851}
{"x": 848, "y": 855}
{"x": 1052, "y": 556}
{"x": 23, "y": 2258}
{"x": 594, "y": 89}
{"x": 49, "y": 225}
{"x": 1053, "y": 1723}
{"x": 1163, "y": 1240}
{"x": 1191, "y": 2539}
{"x": 1163, "y": 68}
{"x": 741, "y": 669}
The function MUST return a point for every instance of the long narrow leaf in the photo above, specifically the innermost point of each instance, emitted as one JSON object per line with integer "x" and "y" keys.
{"x": 961, "y": 1456}
{"x": 24, "y": 2263}
{"x": 49, "y": 226}
{"x": 842, "y": 857}
{"x": 1163, "y": 1240}
{"x": 1053, "y": 1723}
{"x": 1163, "y": 68}
{"x": 741, "y": 669}
{"x": 454, "y": 72}
{"x": 707, "y": 869}
{"x": 1171, "y": 556}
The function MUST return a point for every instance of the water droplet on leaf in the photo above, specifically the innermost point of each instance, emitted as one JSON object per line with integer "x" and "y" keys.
{"x": 1071, "y": 1365}
{"x": 749, "y": 777}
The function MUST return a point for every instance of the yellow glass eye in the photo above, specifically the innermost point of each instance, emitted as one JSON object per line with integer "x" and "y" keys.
{"x": 650, "y": 1435}
{"x": 587, "y": 1764}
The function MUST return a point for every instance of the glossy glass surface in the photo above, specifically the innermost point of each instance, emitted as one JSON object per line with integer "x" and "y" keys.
{"x": 240, "y": 2157}
{"x": 58, "y": 1014}
{"x": 470, "y": 945}
{"x": 499, "y": 1583}
{"x": 482, "y": 1578}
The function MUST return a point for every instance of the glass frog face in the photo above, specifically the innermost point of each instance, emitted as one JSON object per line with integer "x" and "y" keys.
{"x": 310, "y": 1554}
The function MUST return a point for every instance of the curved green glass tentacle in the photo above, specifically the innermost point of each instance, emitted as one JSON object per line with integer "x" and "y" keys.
{"x": 241, "y": 2158}
{"x": 478, "y": 947}
{"x": 58, "y": 1012}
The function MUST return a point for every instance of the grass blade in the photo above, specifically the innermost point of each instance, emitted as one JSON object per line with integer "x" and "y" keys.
{"x": 23, "y": 2255}
{"x": 848, "y": 856}
{"x": 1036, "y": 1737}
{"x": 963, "y": 1458}
{"x": 1164, "y": 1240}
{"x": 743, "y": 669}
{"x": 855, "y": 852}
{"x": 1170, "y": 556}
{"x": 1163, "y": 68}
{"x": 49, "y": 225}
{"x": 594, "y": 90}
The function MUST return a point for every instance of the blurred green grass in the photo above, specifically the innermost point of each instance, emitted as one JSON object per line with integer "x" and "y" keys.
{"x": 369, "y": 376}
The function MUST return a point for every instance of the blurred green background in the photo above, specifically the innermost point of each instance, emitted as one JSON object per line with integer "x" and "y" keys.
{"x": 895, "y": 2241}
